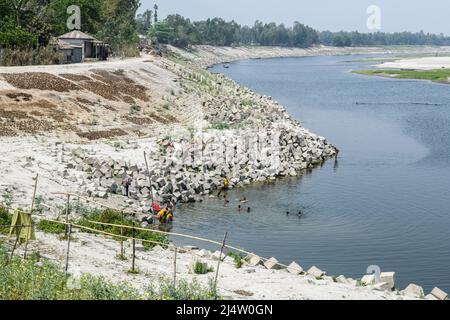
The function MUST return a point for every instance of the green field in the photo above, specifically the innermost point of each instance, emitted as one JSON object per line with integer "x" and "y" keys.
{"x": 438, "y": 75}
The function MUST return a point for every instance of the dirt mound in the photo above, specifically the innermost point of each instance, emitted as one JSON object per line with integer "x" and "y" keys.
{"x": 96, "y": 135}
{"x": 39, "y": 81}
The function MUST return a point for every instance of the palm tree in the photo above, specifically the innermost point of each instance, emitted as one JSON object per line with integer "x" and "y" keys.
{"x": 155, "y": 8}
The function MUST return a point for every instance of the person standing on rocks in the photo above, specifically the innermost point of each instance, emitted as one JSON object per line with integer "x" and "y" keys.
{"x": 126, "y": 182}
{"x": 226, "y": 186}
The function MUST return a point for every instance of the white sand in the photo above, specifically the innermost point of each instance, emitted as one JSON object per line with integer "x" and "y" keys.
{"x": 96, "y": 255}
{"x": 419, "y": 63}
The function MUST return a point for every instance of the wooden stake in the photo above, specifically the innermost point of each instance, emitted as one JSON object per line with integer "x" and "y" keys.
{"x": 134, "y": 251}
{"x": 175, "y": 269}
{"x": 31, "y": 211}
{"x": 220, "y": 259}
{"x": 67, "y": 215}
{"x": 122, "y": 250}
{"x": 68, "y": 247}
{"x": 149, "y": 179}
{"x": 34, "y": 193}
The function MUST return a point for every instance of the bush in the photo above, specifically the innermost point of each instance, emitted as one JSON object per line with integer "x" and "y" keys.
{"x": 28, "y": 56}
{"x": 114, "y": 217}
{"x": 29, "y": 280}
{"x": 165, "y": 290}
{"x": 32, "y": 280}
{"x": 238, "y": 259}
{"x": 202, "y": 268}
{"x": 5, "y": 220}
{"x": 51, "y": 227}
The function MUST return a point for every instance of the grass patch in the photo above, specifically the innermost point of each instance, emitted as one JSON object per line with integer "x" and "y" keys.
{"x": 38, "y": 279}
{"x": 114, "y": 217}
{"x": 238, "y": 259}
{"x": 202, "y": 268}
{"x": 220, "y": 126}
{"x": 5, "y": 220}
{"x": 437, "y": 75}
{"x": 51, "y": 227}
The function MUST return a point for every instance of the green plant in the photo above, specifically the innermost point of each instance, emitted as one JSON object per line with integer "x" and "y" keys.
{"x": 29, "y": 280}
{"x": 5, "y": 220}
{"x": 165, "y": 290}
{"x": 220, "y": 126}
{"x": 115, "y": 217}
{"x": 51, "y": 227}
{"x": 202, "y": 268}
{"x": 7, "y": 199}
{"x": 135, "y": 109}
{"x": 238, "y": 259}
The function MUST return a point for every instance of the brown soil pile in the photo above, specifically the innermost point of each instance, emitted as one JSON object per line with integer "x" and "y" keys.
{"x": 139, "y": 120}
{"x": 39, "y": 81}
{"x": 96, "y": 135}
{"x": 20, "y": 96}
{"x": 30, "y": 117}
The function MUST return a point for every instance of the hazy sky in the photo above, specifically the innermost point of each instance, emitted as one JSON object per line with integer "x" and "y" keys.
{"x": 396, "y": 15}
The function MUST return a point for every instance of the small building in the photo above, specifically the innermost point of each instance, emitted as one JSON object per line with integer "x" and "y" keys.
{"x": 78, "y": 47}
{"x": 71, "y": 53}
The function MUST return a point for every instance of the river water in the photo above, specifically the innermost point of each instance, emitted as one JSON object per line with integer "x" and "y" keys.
{"x": 385, "y": 202}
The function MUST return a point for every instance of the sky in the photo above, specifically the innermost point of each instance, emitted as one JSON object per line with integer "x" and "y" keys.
{"x": 395, "y": 15}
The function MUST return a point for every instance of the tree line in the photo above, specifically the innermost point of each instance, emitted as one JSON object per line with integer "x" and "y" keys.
{"x": 179, "y": 31}
{"x": 33, "y": 23}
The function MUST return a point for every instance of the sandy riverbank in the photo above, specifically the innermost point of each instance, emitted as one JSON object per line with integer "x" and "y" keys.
{"x": 83, "y": 127}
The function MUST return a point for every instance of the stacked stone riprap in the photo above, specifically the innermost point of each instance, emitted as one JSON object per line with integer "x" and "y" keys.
{"x": 189, "y": 167}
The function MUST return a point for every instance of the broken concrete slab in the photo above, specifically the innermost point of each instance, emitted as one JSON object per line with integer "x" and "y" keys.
{"x": 272, "y": 264}
{"x": 413, "y": 290}
{"x": 368, "y": 279}
{"x": 316, "y": 272}
{"x": 439, "y": 294}
{"x": 388, "y": 277}
{"x": 382, "y": 286}
{"x": 294, "y": 268}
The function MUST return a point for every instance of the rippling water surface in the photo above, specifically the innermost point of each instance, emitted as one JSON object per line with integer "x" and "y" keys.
{"x": 386, "y": 201}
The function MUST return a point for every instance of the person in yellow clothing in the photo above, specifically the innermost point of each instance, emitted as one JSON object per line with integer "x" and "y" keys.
{"x": 226, "y": 186}
{"x": 162, "y": 215}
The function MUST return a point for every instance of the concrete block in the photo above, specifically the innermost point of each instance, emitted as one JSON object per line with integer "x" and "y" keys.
{"x": 203, "y": 253}
{"x": 388, "y": 277}
{"x": 341, "y": 279}
{"x": 218, "y": 255}
{"x": 294, "y": 268}
{"x": 369, "y": 279}
{"x": 438, "y": 293}
{"x": 413, "y": 290}
{"x": 272, "y": 264}
{"x": 382, "y": 286}
{"x": 254, "y": 260}
{"x": 431, "y": 297}
{"x": 316, "y": 272}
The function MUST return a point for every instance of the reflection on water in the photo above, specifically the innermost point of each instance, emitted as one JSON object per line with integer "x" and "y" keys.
{"x": 383, "y": 202}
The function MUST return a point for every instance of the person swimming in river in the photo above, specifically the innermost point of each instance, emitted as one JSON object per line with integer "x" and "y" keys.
{"x": 243, "y": 200}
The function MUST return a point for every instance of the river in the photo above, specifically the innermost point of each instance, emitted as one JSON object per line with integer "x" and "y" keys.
{"x": 384, "y": 202}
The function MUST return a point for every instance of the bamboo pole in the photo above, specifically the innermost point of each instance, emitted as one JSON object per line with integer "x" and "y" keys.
{"x": 220, "y": 260}
{"x": 31, "y": 212}
{"x": 134, "y": 251}
{"x": 68, "y": 248}
{"x": 149, "y": 179}
{"x": 175, "y": 268}
{"x": 122, "y": 250}
{"x": 67, "y": 214}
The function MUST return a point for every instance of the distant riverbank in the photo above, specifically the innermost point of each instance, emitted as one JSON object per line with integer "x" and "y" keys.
{"x": 207, "y": 56}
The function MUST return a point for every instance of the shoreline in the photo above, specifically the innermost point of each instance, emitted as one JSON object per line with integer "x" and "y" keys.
{"x": 96, "y": 166}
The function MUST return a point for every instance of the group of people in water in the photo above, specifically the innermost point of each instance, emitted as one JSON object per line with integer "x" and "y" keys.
{"x": 165, "y": 214}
